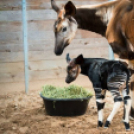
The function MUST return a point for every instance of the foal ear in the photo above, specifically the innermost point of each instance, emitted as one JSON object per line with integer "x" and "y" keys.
{"x": 54, "y": 6}
{"x": 70, "y": 9}
{"x": 68, "y": 58}
{"x": 79, "y": 60}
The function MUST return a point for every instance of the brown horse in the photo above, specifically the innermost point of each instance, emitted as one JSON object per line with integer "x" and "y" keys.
{"x": 113, "y": 20}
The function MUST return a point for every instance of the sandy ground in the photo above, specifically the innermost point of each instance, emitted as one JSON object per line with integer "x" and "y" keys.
{"x": 25, "y": 114}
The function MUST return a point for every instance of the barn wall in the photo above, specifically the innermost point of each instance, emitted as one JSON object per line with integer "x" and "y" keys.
{"x": 11, "y": 45}
{"x": 43, "y": 64}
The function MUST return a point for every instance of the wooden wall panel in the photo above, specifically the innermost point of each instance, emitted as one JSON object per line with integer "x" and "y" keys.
{"x": 10, "y": 26}
{"x": 14, "y": 3}
{"x": 43, "y": 35}
{"x": 8, "y": 88}
{"x": 11, "y": 35}
{"x": 36, "y": 5}
{"x": 44, "y": 65}
{"x": 8, "y": 42}
{"x": 11, "y": 67}
{"x": 45, "y": 45}
{"x": 11, "y": 77}
{"x": 47, "y": 55}
{"x": 11, "y": 15}
{"x": 41, "y": 4}
{"x": 33, "y": 75}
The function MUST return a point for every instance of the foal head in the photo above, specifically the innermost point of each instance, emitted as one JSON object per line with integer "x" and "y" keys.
{"x": 73, "y": 68}
{"x": 65, "y": 26}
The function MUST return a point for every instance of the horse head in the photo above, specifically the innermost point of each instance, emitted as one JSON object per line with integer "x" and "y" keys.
{"x": 65, "y": 26}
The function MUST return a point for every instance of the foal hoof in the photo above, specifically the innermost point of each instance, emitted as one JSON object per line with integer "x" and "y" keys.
{"x": 127, "y": 126}
{"x": 100, "y": 124}
{"x": 128, "y": 129}
{"x": 107, "y": 124}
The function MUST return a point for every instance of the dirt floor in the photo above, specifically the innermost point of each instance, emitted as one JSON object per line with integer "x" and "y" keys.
{"x": 25, "y": 114}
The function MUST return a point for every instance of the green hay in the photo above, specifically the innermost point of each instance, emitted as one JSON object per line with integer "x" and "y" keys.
{"x": 71, "y": 91}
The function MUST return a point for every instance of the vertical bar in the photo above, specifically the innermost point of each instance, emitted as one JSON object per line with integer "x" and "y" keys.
{"x": 25, "y": 45}
{"x": 111, "y": 54}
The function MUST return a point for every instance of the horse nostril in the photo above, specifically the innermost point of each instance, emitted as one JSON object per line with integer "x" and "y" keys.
{"x": 67, "y": 81}
{"x": 58, "y": 53}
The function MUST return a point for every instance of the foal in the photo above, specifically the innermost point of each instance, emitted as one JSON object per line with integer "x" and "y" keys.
{"x": 104, "y": 75}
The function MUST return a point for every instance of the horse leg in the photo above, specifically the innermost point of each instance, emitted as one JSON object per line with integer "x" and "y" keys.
{"x": 132, "y": 97}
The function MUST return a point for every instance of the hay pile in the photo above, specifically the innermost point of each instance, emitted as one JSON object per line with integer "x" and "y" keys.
{"x": 71, "y": 91}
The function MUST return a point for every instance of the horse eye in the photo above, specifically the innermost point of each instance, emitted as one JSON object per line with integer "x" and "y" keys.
{"x": 64, "y": 29}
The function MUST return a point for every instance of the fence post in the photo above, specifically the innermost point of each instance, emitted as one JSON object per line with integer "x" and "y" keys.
{"x": 24, "y": 21}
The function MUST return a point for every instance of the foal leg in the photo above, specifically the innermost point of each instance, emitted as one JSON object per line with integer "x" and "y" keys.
{"x": 113, "y": 83}
{"x": 117, "y": 103}
{"x": 116, "y": 81}
{"x": 127, "y": 103}
{"x": 100, "y": 95}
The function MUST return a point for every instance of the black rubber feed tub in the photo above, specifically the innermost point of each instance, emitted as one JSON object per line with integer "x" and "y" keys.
{"x": 65, "y": 107}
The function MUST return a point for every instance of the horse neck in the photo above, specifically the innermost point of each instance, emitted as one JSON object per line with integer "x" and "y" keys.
{"x": 95, "y": 18}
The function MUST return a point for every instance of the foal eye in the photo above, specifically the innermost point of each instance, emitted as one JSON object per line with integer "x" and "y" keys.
{"x": 64, "y": 29}
{"x": 73, "y": 71}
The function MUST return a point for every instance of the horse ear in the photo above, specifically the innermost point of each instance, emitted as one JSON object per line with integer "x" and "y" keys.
{"x": 68, "y": 58}
{"x": 79, "y": 60}
{"x": 70, "y": 9}
{"x": 54, "y": 6}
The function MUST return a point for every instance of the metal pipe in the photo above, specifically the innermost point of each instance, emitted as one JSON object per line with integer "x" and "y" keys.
{"x": 24, "y": 21}
{"x": 111, "y": 54}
